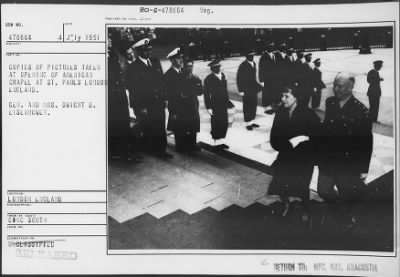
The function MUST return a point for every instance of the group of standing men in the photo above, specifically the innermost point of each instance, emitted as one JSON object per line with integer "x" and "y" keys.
{"x": 151, "y": 92}
{"x": 279, "y": 68}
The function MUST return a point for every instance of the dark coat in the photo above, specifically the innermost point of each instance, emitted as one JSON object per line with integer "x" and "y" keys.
{"x": 317, "y": 79}
{"x": 346, "y": 142}
{"x": 308, "y": 80}
{"x": 246, "y": 78}
{"x": 118, "y": 109}
{"x": 145, "y": 85}
{"x": 216, "y": 98}
{"x": 374, "y": 80}
{"x": 294, "y": 166}
{"x": 266, "y": 71}
{"x": 173, "y": 87}
{"x": 182, "y": 91}
{"x": 289, "y": 71}
{"x": 280, "y": 69}
{"x": 299, "y": 72}
{"x": 146, "y": 91}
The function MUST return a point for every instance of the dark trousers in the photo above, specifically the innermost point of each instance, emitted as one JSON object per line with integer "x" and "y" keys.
{"x": 350, "y": 188}
{"x": 185, "y": 141}
{"x": 154, "y": 134}
{"x": 268, "y": 93}
{"x": 374, "y": 107}
{"x": 316, "y": 99}
{"x": 249, "y": 106}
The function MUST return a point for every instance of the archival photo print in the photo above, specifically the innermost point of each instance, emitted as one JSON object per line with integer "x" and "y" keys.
{"x": 253, "y": 138}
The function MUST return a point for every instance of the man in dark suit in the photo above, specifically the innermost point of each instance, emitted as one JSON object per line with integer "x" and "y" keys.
{"x": 289, "y": 77}
{"x": 299, "y": 67}
{"x": 248, "y": 88}
{"x": 118, "y": 110}
{"x": 306, "y": 84}
{"x": 374, "y": 90}
{"x": 216, "y": 101}
{"x": 266, "y": 75}
{"x": 148, "y": 99}
{"x": 280, "y": 57}
{"x": 173, "y": 88}
{"x": 345, "y": 148}
{"x": 318, "y": 84}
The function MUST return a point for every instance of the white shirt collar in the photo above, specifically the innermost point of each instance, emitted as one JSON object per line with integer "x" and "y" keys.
{"x": 176, "y": 69}
{"x": 250, "y": 62}
{"x": 143, "y": 60}
{"x": 219, "y": 75}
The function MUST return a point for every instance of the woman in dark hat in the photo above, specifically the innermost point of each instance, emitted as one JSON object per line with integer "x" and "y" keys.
{"x": 293, "y": 135}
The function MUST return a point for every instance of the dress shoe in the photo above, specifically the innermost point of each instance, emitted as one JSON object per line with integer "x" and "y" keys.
{"x": 249, "y": 128}
{"x": 254, "y": 125}
{"x": 224, "y": 146}
{"x": 269, "y": 112}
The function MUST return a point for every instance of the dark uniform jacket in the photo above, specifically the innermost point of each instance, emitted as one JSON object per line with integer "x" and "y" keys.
{"x": 216, "y": 93}
{"x": 346, "y": 141}
{"x": 266, "y": 71}
{"x": 192, "y": 88}
{"x": 216, "y": 98}
{"x": 299, "y": 72}
{"x": 289, "y": 71}
{"x": 374, "y": 80}
{"x": 317, "y": 79}
{"x": 118, "y": 109}
{"x": 145, "y": 85}
{"x": 183, "y": 105}
{"x": 246, "y": 78}
{"x": 294, "y": 166}
{"x": 146, "y": 91}
{"x": 280, "y": 69}
{"x": 173, "y": 88}
{"x": 308, "y": 79}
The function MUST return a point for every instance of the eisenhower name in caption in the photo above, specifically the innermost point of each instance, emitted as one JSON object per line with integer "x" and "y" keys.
{"x": 32, "y": 80}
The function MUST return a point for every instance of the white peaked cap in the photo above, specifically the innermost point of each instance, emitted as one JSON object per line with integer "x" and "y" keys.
{"x": 174, "y": 52}
{"x": 141, "y": 43}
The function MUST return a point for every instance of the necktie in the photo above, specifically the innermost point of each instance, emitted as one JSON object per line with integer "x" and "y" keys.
{"x": 148, "y": 63}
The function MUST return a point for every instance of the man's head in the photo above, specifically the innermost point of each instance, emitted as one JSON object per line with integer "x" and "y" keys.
{"x": 250, "y": 55}
{"x": 270, "y": 47}
{"x": 176, "y": 58}
{"x": 308, "y": 57}
{"x": 143, "y": 48}
{"x": 378, "y": 65}
{"x": 188, "y": 66}
{"x": 317, "y": 62}
{"x": 215, "y": 66}
{"x": 282, "y": 47}
{"x": 130, "y": 55}
{"x": 126, "y": 50}
{"x": 343, "y": 85}
{"x": 300, "y": 54}
{"x": 289, "y": 51}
